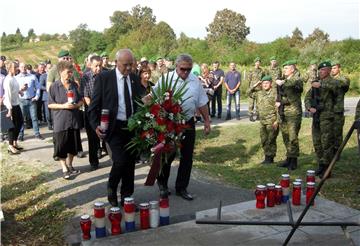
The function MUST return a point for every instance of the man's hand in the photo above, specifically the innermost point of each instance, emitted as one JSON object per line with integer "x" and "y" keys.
{"x": 275, "y": 125}
{"x": 277, "y": 104}
{"x": 24, "y": 87}
{"x": 312, "y": 110}
{"x": 207, "y": 127}
{"x": 69, "y": 105}
{"x": 34, "y": 99}
{"x": 280, "y": 82}
{"x": 257, "y": 84}
{"x": 9, "y": 113}
{"x": 99, "y": 133}
{"x": 316, "y": 84}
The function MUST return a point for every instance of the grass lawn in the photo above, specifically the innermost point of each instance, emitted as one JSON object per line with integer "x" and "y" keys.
{"x": 33, "y": 215}
{"x": 233, "y": 154}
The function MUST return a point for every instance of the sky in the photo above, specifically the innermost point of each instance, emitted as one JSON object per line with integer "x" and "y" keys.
{"x": 267, "y": 19}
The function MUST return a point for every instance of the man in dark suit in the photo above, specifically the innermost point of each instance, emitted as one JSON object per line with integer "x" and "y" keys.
{"x": 116, "y": 90}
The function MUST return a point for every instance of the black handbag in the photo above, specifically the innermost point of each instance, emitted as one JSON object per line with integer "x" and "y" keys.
{"x": 6, "y": 122}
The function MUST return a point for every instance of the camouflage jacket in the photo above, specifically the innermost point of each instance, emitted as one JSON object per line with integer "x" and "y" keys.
{"x": 275, "y": 73}
{"x": 310, "y": 75}
{"x": 343, "y": 85}
{"x": 266, "y": 106}
{"x": 328, "y": 93}
{"x": 291, "y": 96}
{"x": 254, "y": 76}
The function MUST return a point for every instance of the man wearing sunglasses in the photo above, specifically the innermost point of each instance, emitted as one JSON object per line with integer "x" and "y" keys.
{"x": 197, "y": 100}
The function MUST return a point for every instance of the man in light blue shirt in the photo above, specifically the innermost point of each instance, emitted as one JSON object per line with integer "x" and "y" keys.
{"x": 30, "y": 87}
{"x": 197, "y": 99}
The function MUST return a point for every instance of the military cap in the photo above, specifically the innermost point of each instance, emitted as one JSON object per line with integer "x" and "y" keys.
{"x": 266, "y": 78}
{"x": 104, "y": 54}
{"x": 324, "y": 64}
{"x": 159, "y": 57}
{"x": 289, "y": 62}
{"x": 272, "y": 58}
{"x": 143, "y": 59}
{"x": 63, "y": 53}
{"x": 3, "y": 58}
{"x": 313, "y": 62}
{"x": 257, "y": 59}
{"x": 334, "y": 63}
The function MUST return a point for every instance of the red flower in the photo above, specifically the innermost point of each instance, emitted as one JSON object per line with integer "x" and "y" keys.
{"x": 161, "y": 137}
{"x": 170, "y": 126}
{"x": 161, "y": 121}
{"x": 155, "y": 109}
{"x": 176, "y": 109}
{"x": 167, "y": 105}
{"x": 143, "y": 134}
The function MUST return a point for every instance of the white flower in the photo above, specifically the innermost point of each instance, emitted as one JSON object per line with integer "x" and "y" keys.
{"x": 147, "y": 114}
{"x": 171, "y": 116}
{"x": 139, "y": 122}
{"x": 183, "y": 121}
{"x": 166, "y": 94}
{"x": 152, "y": 116}
{"x": 167, "y": 98}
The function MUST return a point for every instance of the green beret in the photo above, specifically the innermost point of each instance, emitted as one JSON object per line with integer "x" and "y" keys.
{"x": 159, "y": 57}
{"x": 63, "y": 53}
{"x": 324, "y": 64}
{"x": 266, "y": 78}
{"x": 272, "y": 58}
{"x": 289, "y": 62}
{"x": 334, "y": 63}
{"x": 257, "y": 59}
{"x": 313, "y": 62}
{"x": 104, "y": 54}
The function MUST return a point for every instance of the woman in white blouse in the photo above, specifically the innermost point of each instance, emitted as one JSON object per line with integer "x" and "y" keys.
{"x": 12, "y": 103}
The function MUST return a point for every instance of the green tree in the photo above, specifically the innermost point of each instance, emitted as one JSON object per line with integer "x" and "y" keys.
{"x": 31, "y": 33}
{"x": 296, "y": 38}
{"x": 228, "y": 26}
{"x": 80, "y": 39}
{"x": 119, "y": 27}
{"x": 318, "y": 35}
{"x": 97, "y": 42}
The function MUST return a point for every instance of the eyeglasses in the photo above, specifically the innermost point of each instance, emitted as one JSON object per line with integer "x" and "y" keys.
{"x": 185, "y": 69}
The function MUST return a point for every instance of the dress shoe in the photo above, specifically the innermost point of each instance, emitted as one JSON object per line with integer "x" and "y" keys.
{"x": 80, "y": 154}
{"x": 21, "y": 138}
{"x": 39, "y": 137}
{"x": 164, "y": 190}
{"x": 18, "y": 147}
{"x": 185, "y": 195}
{"x": 285, "y": 163}
{"x": 268, "y": 160}
{"x": 292, "y": 163}
{"x": 112, "y": 197}
{"x": 252, "y": 118}
{"x": 94, "y": 167}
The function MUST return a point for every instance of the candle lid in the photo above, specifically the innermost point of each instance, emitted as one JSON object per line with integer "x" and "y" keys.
{"x": 270, "y": 185}
{"x": 310, "y": 183}
{"x": 298, "y": 180}
{"x": 85, "y": 217}
{"x": 277, "y": 186}
{"x": 99, "y": 204}
{"x": 261, "y": 187}
{"x": 296, "y": 183}
{"x": 115, "y": 209}
{"x": 285, "y": 176}
{"x": 128, "y": 199}
{"x": 310, "y": 172}
{"x": 144, "y": 205}
{"x": 154, "y": 204}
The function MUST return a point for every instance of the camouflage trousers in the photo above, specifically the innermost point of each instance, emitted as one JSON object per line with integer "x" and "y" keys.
{"x": 339, "y": 121}
{"x": 290, "y": 128}
{"x": 323, "y": 140}
{"x": 268, "y": 137}
{"x": 252, "y": 103}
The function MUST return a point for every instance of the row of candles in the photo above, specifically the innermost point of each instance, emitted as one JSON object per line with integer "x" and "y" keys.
{"x": 277, "y": 194}
{"x": 152, "y": 214}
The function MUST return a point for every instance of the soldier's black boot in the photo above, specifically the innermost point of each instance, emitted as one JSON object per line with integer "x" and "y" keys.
{"x": 320, "y": 170}
{"x": 271, "y": 159}
{"x": 267, "y": 160}
{"x": 252, "y": 117}
{"x": 285, "y": 163}
{"x": 321, "y": 175}
{"x": 293, "y": 163}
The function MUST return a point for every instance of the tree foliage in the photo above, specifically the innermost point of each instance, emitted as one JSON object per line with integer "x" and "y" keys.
{"x": 228, "y": 26}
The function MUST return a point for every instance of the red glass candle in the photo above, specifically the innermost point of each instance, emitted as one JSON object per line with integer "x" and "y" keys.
{"x": 115, "y": 219}
{"x": 70, "y": 96}
{"x": 85, "y": 224}
{"x": 310, "y": 189}
{"x": 296, "y": 194}
{"x": 310, "y": 176}
{"x": 278, "y": 194}
{"x": 270, "y": 195}
{"x": 104, "y": 120}
{"x": 99, "y": 210}
{"x": 129, "y": 205}
{"x": 144, "y": 216}
{"x": 285, "y": 180}
{"x": 260, "y": 194}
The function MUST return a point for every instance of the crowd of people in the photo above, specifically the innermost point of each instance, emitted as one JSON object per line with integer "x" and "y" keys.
{"x": 68, "y": 98}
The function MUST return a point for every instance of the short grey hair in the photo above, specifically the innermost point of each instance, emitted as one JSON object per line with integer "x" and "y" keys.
{"x": 121, "y": 52}
{"x": 183, "y": 58}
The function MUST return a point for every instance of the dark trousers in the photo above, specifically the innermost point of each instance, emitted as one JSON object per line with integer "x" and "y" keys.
{"x": 123, "y": 167}
{"x": 216, "y": 99}
{"x": 17, "y": 119}
{"x": 93, "y": 141}
{"x": 39, "y": 105}
{"x": 186, "y": 160}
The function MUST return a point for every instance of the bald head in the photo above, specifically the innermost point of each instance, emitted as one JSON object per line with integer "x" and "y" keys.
{"x": 124, "y": 61}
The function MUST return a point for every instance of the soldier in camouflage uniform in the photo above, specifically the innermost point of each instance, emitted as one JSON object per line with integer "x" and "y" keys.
{"x": 310, "y": 76}
{"x": 289, "y": 107}
{"x": 323, "y": 116}
{"x": 255, "y": 76}
{"x": 269, "y": 130}
{"x": 274, "y": 70}
{"x": 343, "y": 84}
{"x": 159, "y": 70}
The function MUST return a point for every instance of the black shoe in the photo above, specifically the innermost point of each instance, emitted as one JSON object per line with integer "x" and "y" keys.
{"x": 21, "y": 138}
{"x": 320, "y": 170}
{"x": 74, "y": 171}
{"x": 185, "y": 195}
{"x": 99, "y": 153}
{"x": 268, "y": 160}
{"x": 292, "y": 164}
{"x": 228, "y": 117}
{"x": 164, "y": 190}
{"x": 285, "y": 163}
{"x": 80, "y": 154}
{"x": 212, "y": 116}
{"x": 56, "y": 158}
{"x": 112, "y": 197}
{"x": 50, "y": 128}
{"x": 252, "y": 118}
{"x": 39, "y": 137}
{"x": 219, "y": 116}
{"x": 93, "y": 167}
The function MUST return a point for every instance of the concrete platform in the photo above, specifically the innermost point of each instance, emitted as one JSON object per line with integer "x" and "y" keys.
{"x": 190, "y": 233}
